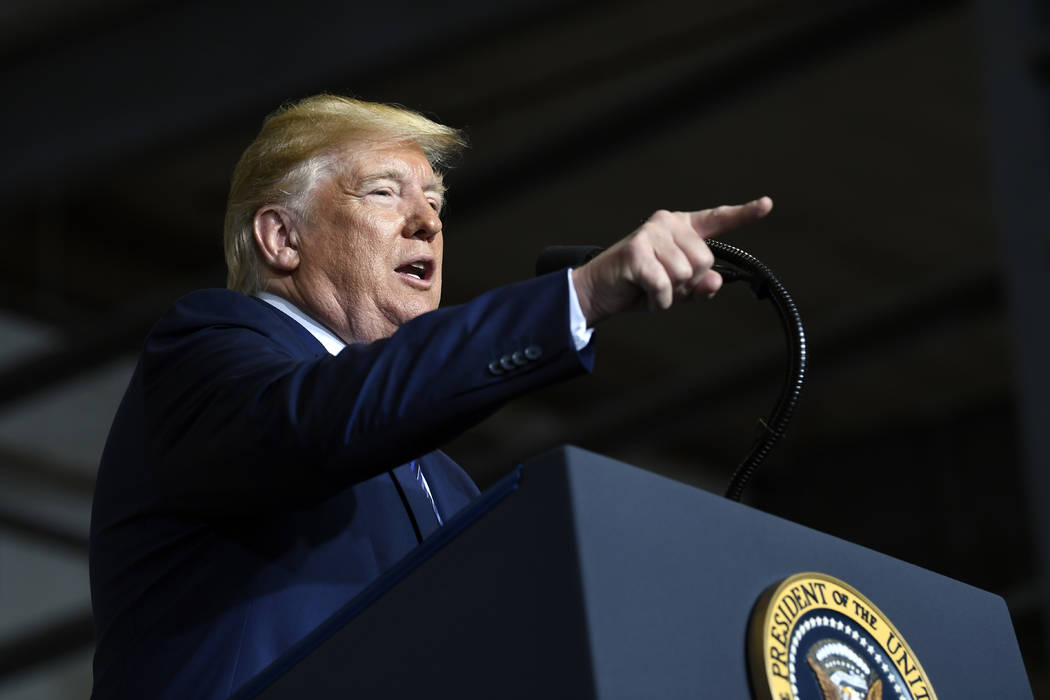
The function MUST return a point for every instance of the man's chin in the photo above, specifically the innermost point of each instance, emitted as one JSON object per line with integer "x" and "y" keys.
{"x": 407, "y": 313}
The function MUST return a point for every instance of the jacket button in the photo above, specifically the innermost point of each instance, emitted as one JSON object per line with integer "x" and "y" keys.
{"x": 494, "y": 368}
{"x": 534, "y": 352}
{"x": 507, "y": 363}
{"x": 519, "y": 358}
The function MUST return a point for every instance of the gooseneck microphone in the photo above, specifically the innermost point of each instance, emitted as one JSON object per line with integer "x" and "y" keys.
{"x": 735, "y": 265}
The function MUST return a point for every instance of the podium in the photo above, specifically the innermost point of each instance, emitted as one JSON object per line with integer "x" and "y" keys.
{"x": 578, "y": 576}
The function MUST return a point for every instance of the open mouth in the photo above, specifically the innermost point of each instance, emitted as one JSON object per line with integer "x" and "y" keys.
{"x": 419, "y": 269}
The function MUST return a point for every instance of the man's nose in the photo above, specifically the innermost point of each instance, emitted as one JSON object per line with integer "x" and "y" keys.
{"x": 423, "y": 223}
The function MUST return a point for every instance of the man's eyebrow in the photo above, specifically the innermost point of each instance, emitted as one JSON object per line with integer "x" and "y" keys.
{"x": 434, "y": 184}
{"x": 390, "y": 174}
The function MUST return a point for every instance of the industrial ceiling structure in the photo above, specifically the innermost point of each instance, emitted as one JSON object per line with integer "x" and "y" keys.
{"x": 878, "y": 127}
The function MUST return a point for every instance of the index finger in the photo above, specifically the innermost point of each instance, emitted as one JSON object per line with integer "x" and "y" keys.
{"x": 711, "y": 222}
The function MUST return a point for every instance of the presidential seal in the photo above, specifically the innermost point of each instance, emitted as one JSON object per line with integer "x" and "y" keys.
{"x": 814, "y": 637}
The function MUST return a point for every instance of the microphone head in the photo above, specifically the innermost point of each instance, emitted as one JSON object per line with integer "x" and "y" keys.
{"x": 557, "y": 257}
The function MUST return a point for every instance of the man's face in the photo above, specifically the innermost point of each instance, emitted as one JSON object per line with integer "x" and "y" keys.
{"x": 371, "y": 244}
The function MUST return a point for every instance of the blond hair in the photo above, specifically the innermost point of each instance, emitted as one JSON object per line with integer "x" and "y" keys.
{"x": 297, "y": 145}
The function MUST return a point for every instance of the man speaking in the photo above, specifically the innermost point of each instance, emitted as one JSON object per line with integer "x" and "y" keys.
{"x": 277, "y": 447}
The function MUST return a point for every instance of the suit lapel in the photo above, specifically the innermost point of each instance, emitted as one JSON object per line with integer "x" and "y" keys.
{"x": 420, "y": 511}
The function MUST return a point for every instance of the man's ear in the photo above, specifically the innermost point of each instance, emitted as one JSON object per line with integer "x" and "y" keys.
{"x": 277, "y": 238}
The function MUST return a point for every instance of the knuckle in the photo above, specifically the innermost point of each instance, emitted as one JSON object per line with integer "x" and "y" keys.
{"x": 706, "y": 258}
{"x": 654, "y": 280}
{"x": 642, "y": 233}
{"x": 681, "y": 273}
{"x": 634, "y": 250}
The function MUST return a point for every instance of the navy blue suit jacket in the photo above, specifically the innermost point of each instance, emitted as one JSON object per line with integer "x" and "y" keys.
{"x": 250, "y": 484}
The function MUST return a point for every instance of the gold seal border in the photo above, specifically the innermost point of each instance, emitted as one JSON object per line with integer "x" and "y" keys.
{"x": 818, "y": 591}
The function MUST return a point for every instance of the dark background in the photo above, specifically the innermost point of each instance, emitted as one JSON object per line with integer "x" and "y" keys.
{"x": 905, "y": 146}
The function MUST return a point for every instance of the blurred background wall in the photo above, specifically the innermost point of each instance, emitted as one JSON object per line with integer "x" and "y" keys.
{"x": 905, "y": 145}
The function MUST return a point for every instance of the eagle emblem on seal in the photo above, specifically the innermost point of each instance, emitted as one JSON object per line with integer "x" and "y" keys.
{"x": 842, "y": 673}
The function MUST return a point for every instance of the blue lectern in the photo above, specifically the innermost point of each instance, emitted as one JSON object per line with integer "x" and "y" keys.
{"x": 578, "y": 576}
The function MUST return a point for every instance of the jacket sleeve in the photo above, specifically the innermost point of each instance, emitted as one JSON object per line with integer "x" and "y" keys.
{"x": 234, "y": 418}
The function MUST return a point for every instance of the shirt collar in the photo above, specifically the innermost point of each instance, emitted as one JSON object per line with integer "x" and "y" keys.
{"x": 331, "y": 342}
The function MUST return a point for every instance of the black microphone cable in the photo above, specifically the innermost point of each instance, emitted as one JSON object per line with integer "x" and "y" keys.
{"x": 735, "y": 265}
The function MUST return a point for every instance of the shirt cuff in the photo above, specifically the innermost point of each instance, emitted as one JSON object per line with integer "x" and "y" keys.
{"x": 581, "y": 334}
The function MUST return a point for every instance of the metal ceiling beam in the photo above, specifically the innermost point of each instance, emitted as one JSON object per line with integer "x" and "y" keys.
{"x": 41, "y": 531}
{"x": 46, "y": 472}
{"x": 787, "y": 51}
{"x": 46, "y": 644}
{"x": 118, "y": 334}
{"x": 188, "y": 66}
